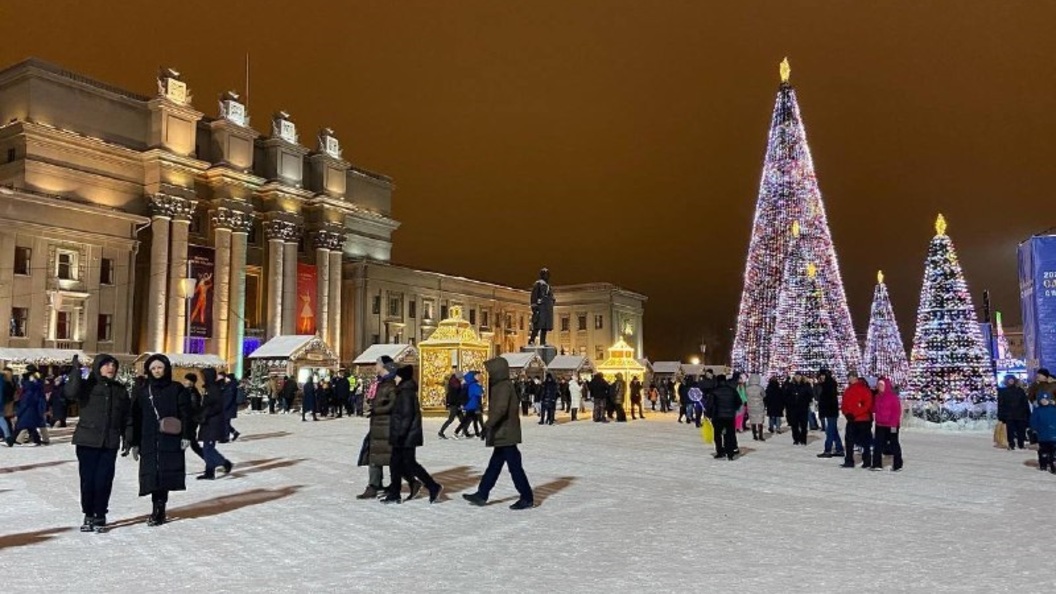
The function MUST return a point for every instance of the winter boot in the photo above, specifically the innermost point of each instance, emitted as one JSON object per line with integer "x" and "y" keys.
{"x": 228, "y": 466}
{"x": 416, "y": 487}
{"x": 99, "y": 522}
{"x": 157, "y": 517}
{"x": 89, "y": 523}
{"x": 434, "y": 493}
{"x": 369, "y": 493}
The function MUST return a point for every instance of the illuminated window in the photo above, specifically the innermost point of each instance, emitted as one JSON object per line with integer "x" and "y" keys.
{"x": 566, "y": 323}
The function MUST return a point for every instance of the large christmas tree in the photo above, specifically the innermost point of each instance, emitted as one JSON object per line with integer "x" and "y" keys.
{"x": 949, "y": 360}
{"x": 788, "y": 192}
{"x": 884, "y": 354}
{"x": 815, "y": 342}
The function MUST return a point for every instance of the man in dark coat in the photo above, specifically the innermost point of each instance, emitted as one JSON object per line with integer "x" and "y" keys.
{"x": 829, "y": 411}
{"x": 548, "y": 404}
{"x": 636, "y": 397}
{"x": 229, "y": 389}
{"x": 503, "y": 433}
{"x": 105, "y": 412}
{"x": 405, "y": 435}
{"x": 723, "y": 402}
{"x": 599, "y": 394}
{"x": 685, "y": 405}
{"x": 214, "y": 426}
{"x": 542, "y": 308}
{"x": 289, "y": 393}
{"x": 453, "y": 402}
{"x": 308, "y": 396}
{"x": 1013, "y": 409}
{"x": 343, "y": 393}
{"x": 798, "y": 397}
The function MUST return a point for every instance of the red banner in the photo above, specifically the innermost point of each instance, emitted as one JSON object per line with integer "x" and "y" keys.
{"x": 200, "y": 265}
{"x": 307, "y": 298}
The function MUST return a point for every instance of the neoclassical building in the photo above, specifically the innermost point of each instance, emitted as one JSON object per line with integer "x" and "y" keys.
{"x": 134, "y": 224}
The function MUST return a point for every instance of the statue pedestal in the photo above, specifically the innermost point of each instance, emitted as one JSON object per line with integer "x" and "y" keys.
{"x": 545, "y": 352}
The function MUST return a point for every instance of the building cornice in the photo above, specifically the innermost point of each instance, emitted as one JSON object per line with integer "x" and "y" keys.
{"x": 70, "y": 204}
{"x": 37, "y": 67}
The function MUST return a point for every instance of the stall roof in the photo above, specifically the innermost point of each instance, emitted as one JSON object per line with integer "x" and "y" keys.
{"x": 521, "y": 360}
{"x": 376, "y": 351}
{"x": 189, "y": 360}
{"x": 40, "y": 356}
{"x": 569, "y": 363}
{"x": 282, "y": 347}
{"x": 688, "y": 369}
{"x": 666, "y": 367}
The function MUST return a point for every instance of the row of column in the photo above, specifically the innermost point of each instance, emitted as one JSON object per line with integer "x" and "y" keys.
{"x": 167, "y": 307}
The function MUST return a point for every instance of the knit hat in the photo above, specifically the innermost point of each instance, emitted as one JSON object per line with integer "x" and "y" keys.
{"x": 385, "y": 360}
{"x": 191, "y": 378}
{"x": 405, "y": 373}
{"x": 1044, "y": 371}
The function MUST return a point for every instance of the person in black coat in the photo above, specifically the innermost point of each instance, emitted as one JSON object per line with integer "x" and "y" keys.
{"x": 798, "y": 396}
{"x": 308, "y": 399}
{"x": 599, "y": 393}
{"x": 1013, "y": 409}
{"x": 162, "y": 467}
{"x": 723, "y": 402}
{"x": 828, "y": 394}
{"x": 105, "y": 413}
{"x": 453, "y": 402}
{"x": 405, "y": 435}
{"x": 343, "y": 393}
{"x": 288, "y": 394}
{"x": 548, "y": 406}
{"x": 774, "y": 400}
{"x": 190, "y": 382}
{"x": 229, "y": 388}
{"x": 214, "y": 427}
{"x": 685, "y": 405}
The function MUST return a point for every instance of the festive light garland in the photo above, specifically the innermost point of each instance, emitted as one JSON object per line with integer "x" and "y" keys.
{"x": 788, "y": 191}
{"x": 949, "y": 360}
{"x": 884, "y": 355}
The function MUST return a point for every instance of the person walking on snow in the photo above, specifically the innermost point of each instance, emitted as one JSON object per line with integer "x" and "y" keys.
{"x": 453, "y": 402}
{"x": 829, "y": 411}
{"x": 1043, "y": 423}
{"x": 888, "y": 410}
{"x": 575, "y": 391}
{"x": 405, "y": 436}
{"x": 214, "y": 426}
{"x": 548, "y": 401}
{"x": 756, "y": 407}
{"x": 1013, "y": 409}
{"x": 474, "y": 401}
{"x": 723, "y": 403}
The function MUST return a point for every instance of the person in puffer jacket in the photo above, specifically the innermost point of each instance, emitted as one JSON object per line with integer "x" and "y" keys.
{"x": 857, "y": 408}
{"x": 888, "y": 410}
{"x": 475, "y": 398}
{"x": 1043, "y": 422}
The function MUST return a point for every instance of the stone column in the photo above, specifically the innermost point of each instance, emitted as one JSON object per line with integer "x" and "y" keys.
{"x": 279, "y": 232}
{"x": 177, "y": 320}
{"x": 334, "y": 320}
{"x": 221, "y": 286}
{"x": 290, "y": 301}
{"x": 237, "y": 319}
{"x": 322, "y": 291}
{"x": 157, "y": 285}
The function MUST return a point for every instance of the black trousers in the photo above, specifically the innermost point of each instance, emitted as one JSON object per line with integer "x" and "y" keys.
{"x": 161, "y": 497}
{"x": 472, "y": 417}
{"x": 404, "y": 467}
{"x": 453, "y": 413}
{"x": 1046, "y": 450}
{"x": 96, "y": 466}
{"x": 526, "y": 407}
{"x": 641, "y": 411}
{"x": 886, "y": 436}
{"x": 509, "y": 456}
{"x": 621, "y": 416}
{"x": 725, "y": 437}
{"x": 546, "y": 416}
{"x": 1017, "y": 433}
{"x": 798, "y": 423}
{"x": 859, "y": 433}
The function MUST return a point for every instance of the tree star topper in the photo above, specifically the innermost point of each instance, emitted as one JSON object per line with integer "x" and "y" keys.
{"x": 786, "y": 70}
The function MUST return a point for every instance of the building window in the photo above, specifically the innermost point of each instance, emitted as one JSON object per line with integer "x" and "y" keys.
{"x": 566, "y": 323}
{"x": 412, "y": 309}
{"x": 66, "y": 265}
{"x": 105, "y": 332}
{"x": 19, "y": 321}
{"x": 429, "y": 310}
{"x": 443, "y": 312}
{"x": 253, "y": 296}
{"x": 376, "y": 307}
{"x": 11, "y": 155}
{"x": 195, "y": 228}
{"x": 473, "y": 317}
{"x": 23, "y": 256}
{"x": 581, "y": 322}
{"x": 63, "y": 325}
{"x": 509, "y": 321}
{"x": 599, "y": 322}
{"x": 106, "y": 271}
{"x": 599, "y": 354}
{"x": 395, "y": 307}
{"x": 484, "y": 319}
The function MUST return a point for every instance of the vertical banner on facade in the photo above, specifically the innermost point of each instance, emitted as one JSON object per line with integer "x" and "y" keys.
{"x": 200, "y": 267}
{"x": 1037, "y": 289}
{"x": 307, "y": 298}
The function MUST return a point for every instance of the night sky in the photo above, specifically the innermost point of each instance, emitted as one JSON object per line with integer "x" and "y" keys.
{"x": 622, "y": 141}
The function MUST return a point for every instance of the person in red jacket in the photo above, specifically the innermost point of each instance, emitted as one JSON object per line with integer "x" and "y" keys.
{"x": 857, "y": 408}
{"x": 888, "y": 409}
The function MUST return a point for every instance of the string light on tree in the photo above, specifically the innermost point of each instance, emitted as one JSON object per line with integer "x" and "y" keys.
{"x": 884, "y": 354}
{"x": 949, "y": 359}
{"x": 788, "y": 192}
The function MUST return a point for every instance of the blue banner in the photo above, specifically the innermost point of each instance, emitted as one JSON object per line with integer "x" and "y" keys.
{"x": 1037, "y": 290}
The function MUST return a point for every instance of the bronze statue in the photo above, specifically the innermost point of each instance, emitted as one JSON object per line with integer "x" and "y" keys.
{"x": 542, "y": 308}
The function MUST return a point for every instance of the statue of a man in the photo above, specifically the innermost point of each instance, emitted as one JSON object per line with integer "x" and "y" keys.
{"x": 542, "y": 308}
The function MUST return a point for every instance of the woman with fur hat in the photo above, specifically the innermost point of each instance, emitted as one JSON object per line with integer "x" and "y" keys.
{"x": 161, "y": 425}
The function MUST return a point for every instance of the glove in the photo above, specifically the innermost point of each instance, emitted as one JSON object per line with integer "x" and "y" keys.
{"x": 135, "y": 453}
{"x": 185, "y": 443}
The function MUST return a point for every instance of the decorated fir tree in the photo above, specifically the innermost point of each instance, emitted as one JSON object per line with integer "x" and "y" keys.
{"x": 788, "y": 192}
{"x": 815, "y": 346}
{"x": 791, "y": 305}
{"x": 884, "y": 354}
{"x": 949, "y": 360}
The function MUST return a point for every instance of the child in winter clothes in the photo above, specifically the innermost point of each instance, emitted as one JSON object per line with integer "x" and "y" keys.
{"x": 1043, "y": 422}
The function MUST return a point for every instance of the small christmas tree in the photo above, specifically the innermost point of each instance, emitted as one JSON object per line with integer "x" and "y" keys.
{"x": 884, "y": 354}
{"x": 949, "y": 360}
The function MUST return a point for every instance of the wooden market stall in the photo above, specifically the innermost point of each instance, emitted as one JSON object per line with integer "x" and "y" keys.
{"x": 402, "y": 354}
{"x": 667, "y": 370}
{"x": 295, "y": 355}
{"x": 18, "y": 358}
{"x": 454, "y": 344}
{"x": 571, "y": 366}
{"x": 530, "y": 364}
{"x": 621, "y": 361}
{"x": 182, "y": 364}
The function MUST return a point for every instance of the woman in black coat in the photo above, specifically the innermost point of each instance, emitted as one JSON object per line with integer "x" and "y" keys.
{"x": 774, "y": 400}
{"x": 161, "y": 462}
{"x": 214, "y": 427}
{"x": 405, "y": 435}
{"x": 308, "y": 399}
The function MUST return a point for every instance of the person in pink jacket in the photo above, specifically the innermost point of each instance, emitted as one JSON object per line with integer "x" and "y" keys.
{"x": 888, "y": 411}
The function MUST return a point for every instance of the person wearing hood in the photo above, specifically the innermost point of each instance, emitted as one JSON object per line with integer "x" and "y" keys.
{"x": 636, "y": 398}
{"x": 405, "y": 436}
{"x": 377, "y": 453}
{"x": 308, "y": 399}
{"x": 105, "y": 413}
{"x": 503, "y": 431}
{"x": 575, "y": 392}
{"x": 756, "y": 407}
{"x": 1043, "y": 383}
{"x": 160, "y": 432}
{"x": 599, "y": 393}
{"x": 474, "y": 400}
{"x": 829, "y": 411}
{"x": 190, "y": 382}
{"x": 57, "y": 402}
{"x": 214, "y": 427}
{"x": 1043, "y": 423}
{"x": 31, "y": 409}
{"x": 798, "y": 396}
{"x": 549, "y": 400}
{"x": 1013, "y": 409}
{"x": 774, "y": 399}
{"x": 619, "y": 396}
{"x": 857, "y": 408}
{"x": 229, "y": 389}
{"x": 685, "y": 405}
{"x": 453, "y": 402}
{"x": 888, "y": 409}
{"x": 723, "y": 404}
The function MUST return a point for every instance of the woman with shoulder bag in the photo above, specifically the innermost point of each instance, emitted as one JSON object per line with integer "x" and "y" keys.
{"x": 160, "y": 432}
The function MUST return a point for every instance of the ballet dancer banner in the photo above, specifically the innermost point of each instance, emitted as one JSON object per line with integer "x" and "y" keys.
{"x": 200, "y": 267}
{"x": 307, "y": 298}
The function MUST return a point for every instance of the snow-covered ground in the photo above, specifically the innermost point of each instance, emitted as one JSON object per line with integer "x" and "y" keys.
{"x": 640, "y": 507}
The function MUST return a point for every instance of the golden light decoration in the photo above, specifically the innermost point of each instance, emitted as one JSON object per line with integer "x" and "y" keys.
{"x": 940, "y": 225}
{"x": 880, "y": 277}
{"x": 786, "y": 70}
{"x": 795, "y": 228}
{"x": 621, "y": 360}
{"x": 812, "y": 270}
{"x": 454, "y": 344}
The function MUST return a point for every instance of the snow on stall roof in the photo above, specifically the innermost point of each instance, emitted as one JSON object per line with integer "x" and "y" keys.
{"x": 567, "y": 362}
{"x": 691, "y": 369}
{"x": 519, "y": 360}
{"x": 191, "y": 360}
{"x": 281, "y": 347}
{"x": 28, "y": 355}
{"x": 670, "y": 367}
{"x": 376, "y": 351}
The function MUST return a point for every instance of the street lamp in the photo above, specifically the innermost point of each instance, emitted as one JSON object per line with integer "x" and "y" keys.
{"x": 694, "y": 360}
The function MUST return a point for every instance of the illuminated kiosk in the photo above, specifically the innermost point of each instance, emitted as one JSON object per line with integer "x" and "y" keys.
{"x": 296, "y": 356}
{"x": 621, "y": 360}
{"x": 530, "y": 364}
{"x": 454, "y": 344}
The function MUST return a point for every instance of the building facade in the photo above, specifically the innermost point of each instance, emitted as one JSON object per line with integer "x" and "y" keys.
{"x": 140, "y": 224}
